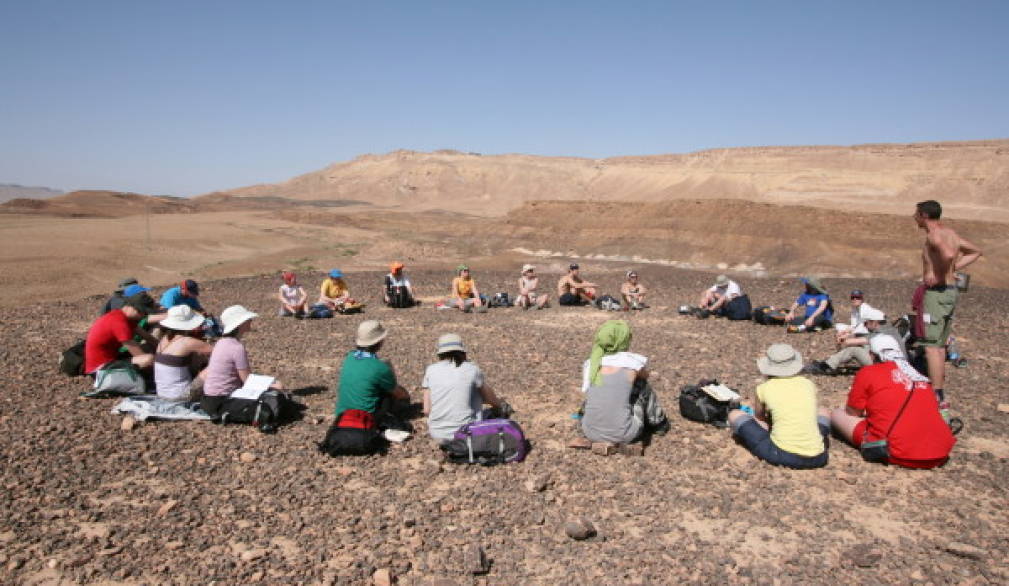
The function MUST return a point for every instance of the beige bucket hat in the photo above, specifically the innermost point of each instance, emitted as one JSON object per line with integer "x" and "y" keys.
{"x": 370, "y": 332}
{"x": 450, "y": 343}
{"x": 780, "y": 360}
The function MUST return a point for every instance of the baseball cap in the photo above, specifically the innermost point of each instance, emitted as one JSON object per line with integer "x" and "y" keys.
{"x": 857, "y": 294}
{"x": 335, "y": 274}
{"x": 140, "y": 301}
{"x": 572, "y": 266}
{"x": 134, "y": 289}
{"x": 192, "y": 287}
{"x": 124, "y": 283}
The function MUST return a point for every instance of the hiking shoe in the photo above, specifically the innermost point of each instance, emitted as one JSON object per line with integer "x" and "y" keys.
{"x": 819, "y": 367}
{"x": 955, "y": 425}
{"x": 662, "y": 428}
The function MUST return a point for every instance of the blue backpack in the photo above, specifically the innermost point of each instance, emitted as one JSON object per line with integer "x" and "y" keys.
{"x": 319, "y": 311}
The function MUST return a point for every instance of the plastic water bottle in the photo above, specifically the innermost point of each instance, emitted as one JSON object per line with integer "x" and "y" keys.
{"x": 953, "y": 354}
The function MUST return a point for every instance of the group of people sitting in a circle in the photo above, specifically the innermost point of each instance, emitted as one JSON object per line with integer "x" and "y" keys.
{"x": 891, "y": 407}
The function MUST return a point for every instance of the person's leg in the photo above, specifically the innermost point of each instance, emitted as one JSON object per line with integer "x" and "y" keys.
{"x": 845, "y": 425}
{"x": 939, "y": 306}
{"x": 541, "y": 301}
{"x": 840, "y": 357}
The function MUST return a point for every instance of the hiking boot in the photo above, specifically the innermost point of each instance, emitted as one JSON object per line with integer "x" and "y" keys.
{"x": 604, "y": 448}
{"x": 818, "y": 367}
{"x": 662, "y": 428}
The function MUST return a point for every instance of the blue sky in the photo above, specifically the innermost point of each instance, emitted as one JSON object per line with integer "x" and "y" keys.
{"x": 187, "y": 97}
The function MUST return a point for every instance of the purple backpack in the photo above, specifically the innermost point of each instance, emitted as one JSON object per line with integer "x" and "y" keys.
{"x": 487, "y": 442}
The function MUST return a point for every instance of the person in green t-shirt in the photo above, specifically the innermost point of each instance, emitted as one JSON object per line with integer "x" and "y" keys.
{"x": 365, "y": 380}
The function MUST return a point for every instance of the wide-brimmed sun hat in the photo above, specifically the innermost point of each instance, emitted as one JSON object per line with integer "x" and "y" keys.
{"x": 370, "y": 332}
{"x": 450, "y": 343}
{"x": 336, "y": 274}
{"x": 721, "y": 281}
{"x": 527, "y": 268}
{"x": 814, "y": 283}
{"x": 886, "y": 347}
{"x": 235, "y": 316}
{"x": 182, "y": 318}
{"x": 461, "y": 268}
{"x": 780, "y": 360}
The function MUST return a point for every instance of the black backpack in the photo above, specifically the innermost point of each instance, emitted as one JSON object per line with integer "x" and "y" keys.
{"x": 766, "y": 315}
{"x": 352, "y": 441}
{"x": 264, "y": 413}
{"x": 500, "y": 300}
{"x": 738, "y": 308}
{"x": 696, "y": 405}
{"x": 72, "y": 360}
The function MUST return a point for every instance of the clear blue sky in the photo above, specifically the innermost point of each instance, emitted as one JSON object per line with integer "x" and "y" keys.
{"x": 186, "y": 97}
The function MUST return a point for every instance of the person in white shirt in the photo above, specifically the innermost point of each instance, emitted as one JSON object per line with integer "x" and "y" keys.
{"x": 717, "y": 298}
{"x": 292, "y": 296}
{"x": 853, "y": 339}
{"x": 397, "y": 290}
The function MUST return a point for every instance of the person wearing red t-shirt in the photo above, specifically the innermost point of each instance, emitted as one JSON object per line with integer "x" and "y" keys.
{"x": 891, "y": 400}
{"x": 115, "y": 329}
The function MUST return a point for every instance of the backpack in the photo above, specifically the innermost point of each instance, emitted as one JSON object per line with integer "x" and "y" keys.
{"x": 353, "y": 434}
{"x": 609, "y": 303}
{"x": 697, "y": 405}
{"x": 71, "y": 362}
{"x": 398, "y": 295}
{"x": 264, "y": 413}
{"x": 319, "y": 311}
{"x": 500, "y": 300}
{"x": 487, "y": 442}
{"x": 767, "y": 315}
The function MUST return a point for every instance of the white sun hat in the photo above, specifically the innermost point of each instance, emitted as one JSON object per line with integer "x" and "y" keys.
{"x": 182, "y": 318}
{"x": 235, "y": 316}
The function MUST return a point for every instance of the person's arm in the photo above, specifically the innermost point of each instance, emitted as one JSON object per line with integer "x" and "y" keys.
{"x": 489, "y": 397}
{"x": 759, "y": 411}
{"x": 560, "y": 286}
{"x": 717, "y": 304}
{"x": 858, "y": 396}
{"x": 146, "y": 336}
{"x": 969, "y": 253}
{"x": 522, "y": 290}
{"x": 791, "y": 310}
{"x": 302, "y": 296}
{"x": 820, "y": 309}
{"x": 140, "y": 358}
{"x": 427, "y": 401}
{"x": 197, "y": 346}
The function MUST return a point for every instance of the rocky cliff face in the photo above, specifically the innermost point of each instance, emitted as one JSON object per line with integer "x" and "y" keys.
{"x": 971, "y": 179}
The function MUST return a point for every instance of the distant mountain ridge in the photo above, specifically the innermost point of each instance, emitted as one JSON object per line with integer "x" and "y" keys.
{"x": 9, "y": 191}
{"x": 970, "y": 178}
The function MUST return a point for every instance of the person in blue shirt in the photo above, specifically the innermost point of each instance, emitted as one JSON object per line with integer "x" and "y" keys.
{"x": 813, "y": 309}
{"x": 186, "y": 293}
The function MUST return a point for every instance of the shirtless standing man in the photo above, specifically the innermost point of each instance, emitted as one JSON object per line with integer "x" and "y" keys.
{"x": 944, "y": 253}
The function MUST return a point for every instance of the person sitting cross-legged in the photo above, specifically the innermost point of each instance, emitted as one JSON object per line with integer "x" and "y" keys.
{"x": 891, "y": 401}
{"x": 572, "y": 289}
{"x": 292, "y": 297}
{"x": 396, "y": 288}
{"x": 333, "y": 293}
{"x": 632, "y": 292}
{"x": 528, "y": 296}
{"x": 620, "y": 406}
{"x": 786, "y": 428}
{"x": 111, "y": 338}
{"x": 454, "y": 390}
{"x": 811, "y": 310}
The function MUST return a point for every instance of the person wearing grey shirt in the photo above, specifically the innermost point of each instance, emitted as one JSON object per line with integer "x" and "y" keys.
{"x": 454, "y": 390}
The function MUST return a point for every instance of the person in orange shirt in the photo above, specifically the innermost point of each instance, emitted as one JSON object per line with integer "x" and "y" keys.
{"x": 465, "y": 295}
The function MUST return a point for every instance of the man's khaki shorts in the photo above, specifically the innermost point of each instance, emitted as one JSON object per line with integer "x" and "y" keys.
{"x": 938, "y": 306}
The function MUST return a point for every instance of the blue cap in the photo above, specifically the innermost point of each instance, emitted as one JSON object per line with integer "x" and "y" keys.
{"x": 133, "y": 290}
{"x": 336, "y": 273}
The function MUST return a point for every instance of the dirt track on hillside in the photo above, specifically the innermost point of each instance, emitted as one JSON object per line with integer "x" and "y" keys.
{"x": 172, "y": 502}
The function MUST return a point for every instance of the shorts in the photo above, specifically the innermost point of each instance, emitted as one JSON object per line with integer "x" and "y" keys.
{"x": 570, "y": 299}
{"x": 758, "y": 441}
{"x": 858, "y": 432}
{"x": 938, "y": 307}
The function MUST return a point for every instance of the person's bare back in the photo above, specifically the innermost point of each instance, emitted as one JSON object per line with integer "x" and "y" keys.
{"x": 944, "y": 251}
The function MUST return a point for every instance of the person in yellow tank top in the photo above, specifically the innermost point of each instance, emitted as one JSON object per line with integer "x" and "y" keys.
{"x": 786, "y": 427}
{"x": 334, "y": 293}
{"x": 465, "y": 295}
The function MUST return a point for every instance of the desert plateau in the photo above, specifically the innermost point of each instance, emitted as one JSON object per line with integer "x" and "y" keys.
{"x": 88, "y": 500}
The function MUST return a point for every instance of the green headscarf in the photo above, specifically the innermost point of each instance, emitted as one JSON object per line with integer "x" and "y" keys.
{"x": 611, "y": 337}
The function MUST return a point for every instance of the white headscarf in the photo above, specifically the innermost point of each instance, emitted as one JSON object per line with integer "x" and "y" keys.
{"x": 888, "y": 349}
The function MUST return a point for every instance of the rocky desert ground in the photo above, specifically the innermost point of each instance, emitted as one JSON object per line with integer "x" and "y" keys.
{"x": 86, "y": 501}
{"x": 192, "y": 503}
